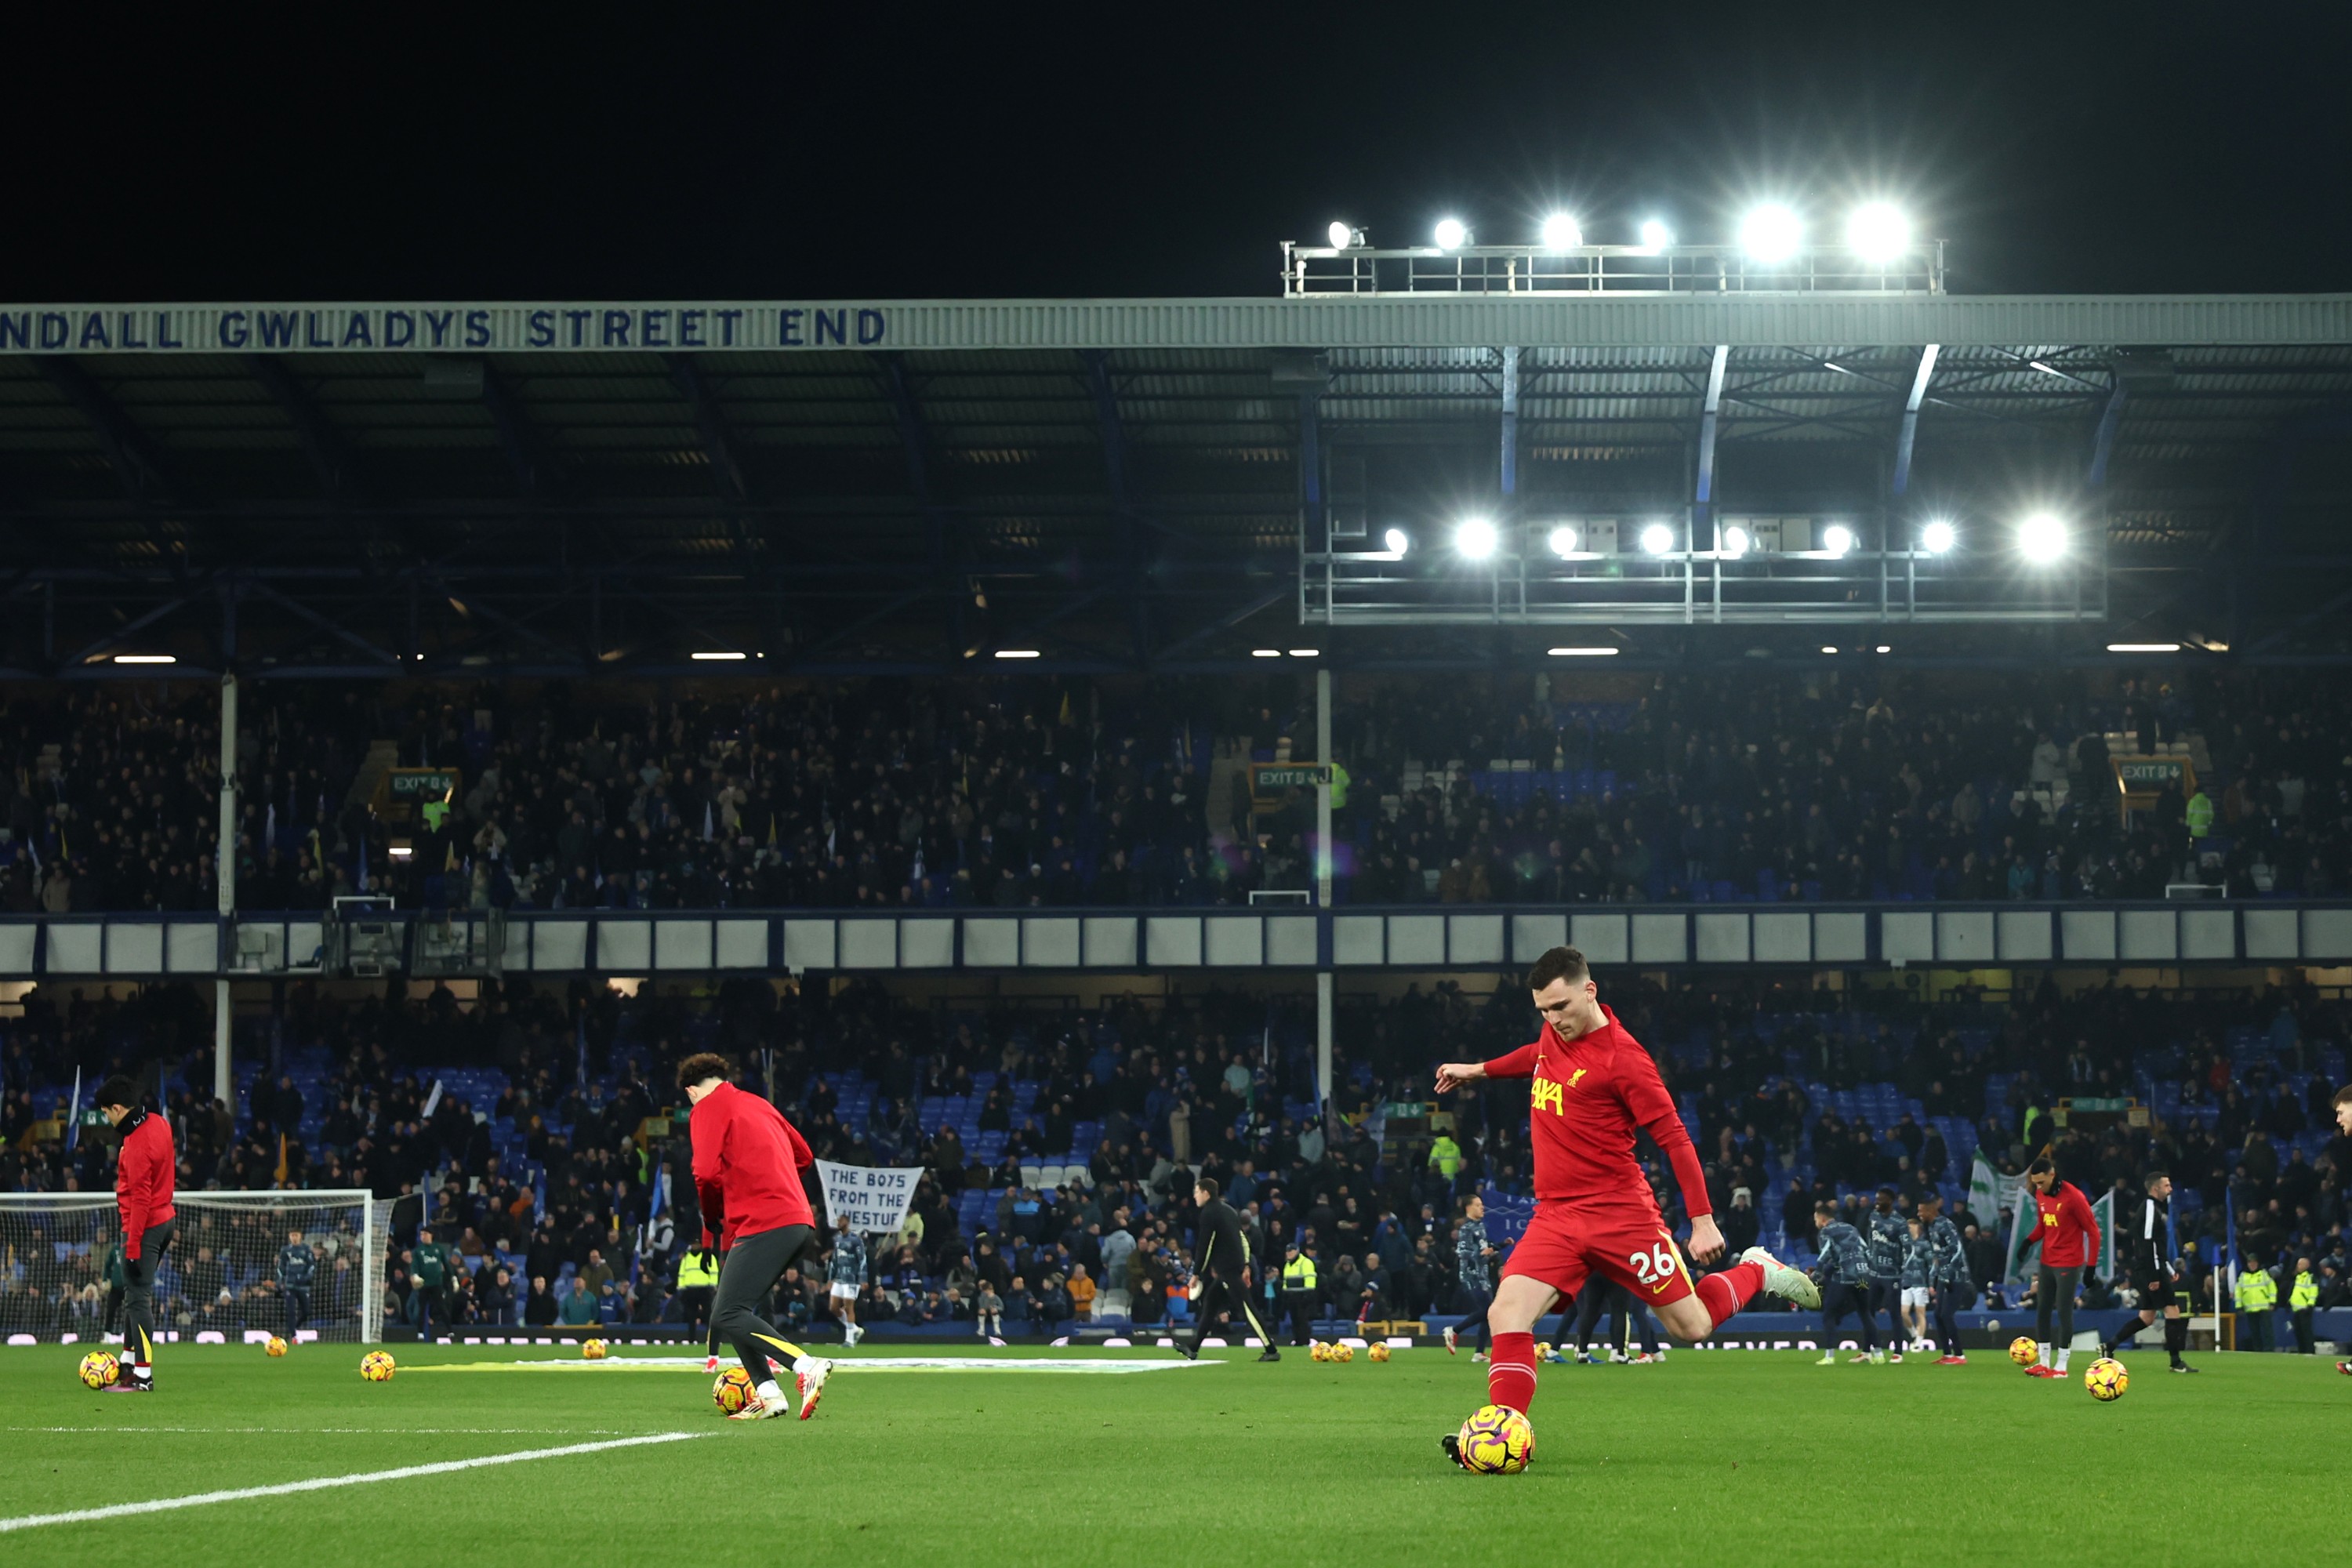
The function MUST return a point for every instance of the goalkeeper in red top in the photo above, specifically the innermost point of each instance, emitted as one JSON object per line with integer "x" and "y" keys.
{"x": 145, "y": 1178}
{"x": 1593, "y": 1088}
{"x": 747, "y": 1176}
{"x": 2068, "y": 1233}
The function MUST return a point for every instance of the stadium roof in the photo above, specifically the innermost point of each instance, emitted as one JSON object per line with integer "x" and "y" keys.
{"x": 576, "y": 488}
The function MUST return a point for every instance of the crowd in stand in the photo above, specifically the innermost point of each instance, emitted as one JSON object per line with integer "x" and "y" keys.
{"x": 1109, "y": 792}
{"x": 543, "y": 1184}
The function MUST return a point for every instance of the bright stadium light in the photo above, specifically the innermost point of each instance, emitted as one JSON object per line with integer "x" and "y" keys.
{"x": 1344, "y": 235}
{"x": 2143, "y": 647}
{"x": 1560, "y": 233}
{"x": 1771, "y": 233}
{"x": 1657, "y": 539}
{"x": 1016, "y": 653}
{"x": 146, "y": 658}
{"x": 1306, "y": 653}
{"x": 1396, "y": 541}
{"x": 1451, "y": 233}
{"x": 1884, "y": 648}
{"x": 2041, "y": 538}
{"x": 1939, "y": 537}
{"x": 1655, "y": 236}
{"x": 1562, "y": 540}
{"x": 1475, "y": 538}
{"x": 1582, "y": 652}
{"x": 1878, "y": 232}
{"x": 1837, "y": 539}
{"x": 1735, "y": 542}
{"x": 1826, "y": 649}
{"x": 1266, "y": 652}
{"x": 717, "y": 657}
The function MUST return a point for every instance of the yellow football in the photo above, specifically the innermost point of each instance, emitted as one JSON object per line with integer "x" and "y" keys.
{"x": 732, "y": 1390}
{"x": 377, "y": 1367}
{"x": 2023, "y": 1352}
{"x": 1343, "y": 1353}
{"x": 1380, "y": 1351}
{"x": 276, "y": 1346}
{"x": 593, "y": 1350}
{"x": 2106, "y": 1380}
{"x": 1495, "y": 1442}
{"x": 100, "y": 1368}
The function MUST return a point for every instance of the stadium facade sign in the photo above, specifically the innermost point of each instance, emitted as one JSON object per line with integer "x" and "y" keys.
{"x": 740, "y": 326}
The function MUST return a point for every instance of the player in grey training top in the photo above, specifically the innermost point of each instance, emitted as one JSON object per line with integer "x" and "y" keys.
{"x": 1883, "y": 1244}
{"x": 1949, "y": 1284}
{"x": 1842, "y": 1273}
{"x": 845, "y": 1276}
{"x": 1474, "y": 1265}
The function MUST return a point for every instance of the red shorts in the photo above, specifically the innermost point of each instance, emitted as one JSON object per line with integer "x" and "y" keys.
{"x": 1626, "y": 1245}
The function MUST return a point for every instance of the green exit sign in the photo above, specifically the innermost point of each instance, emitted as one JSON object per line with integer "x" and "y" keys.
{"x": 1290, "y": 775}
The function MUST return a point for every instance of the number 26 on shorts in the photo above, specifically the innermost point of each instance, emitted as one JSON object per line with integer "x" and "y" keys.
{"x": 1655, "y": 1265}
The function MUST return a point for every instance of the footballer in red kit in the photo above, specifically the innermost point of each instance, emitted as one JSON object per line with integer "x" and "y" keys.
{"x": 1593, "y": 1088}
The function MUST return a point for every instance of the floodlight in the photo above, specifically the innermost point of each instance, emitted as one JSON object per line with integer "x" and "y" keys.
{"x": 1735, "y": 541}
{"x": 1826, "y": 649}
{"x": 146, "y": 658}
{"x": 1304, "y": 652}
{"x": 1563, "y": 541}
{"x": 2041, "y": 538}
{"x": 2143, "y": 647}
{"x": 1884, "y": 648}
{"x": 1582, "y": 652}
{"x": 1657, "y": 539}
{"x": 1837, "y": 539}
{"x": 1016, "y": 653}
{"x": 1771, "y": 233}
{"x": 1475, "y": 538}
{"x": 1266, "y": 652}
{"x": 1560, "y": 233}
{"x": 1343, "y": 235}
{"x": 1451, "y": 233}
{"x": 715, "y": 657}
{"x": 1655, "y": 236}
{"x": 1396, "y": 541}
{"x": 1878, "y": 232}
{"x": 1939, "y": 537}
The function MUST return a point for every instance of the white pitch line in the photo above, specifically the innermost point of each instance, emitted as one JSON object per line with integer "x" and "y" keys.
{"x": 363, "y": 1431}
{"x": 406, "y": 1472}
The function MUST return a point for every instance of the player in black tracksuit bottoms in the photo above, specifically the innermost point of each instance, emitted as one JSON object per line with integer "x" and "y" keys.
{"x": 2145, "y": 1250}
{"x": 1221, "y": 1258}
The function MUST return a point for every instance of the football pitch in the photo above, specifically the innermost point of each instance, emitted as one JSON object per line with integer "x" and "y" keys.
{"x": 1053, "y": 1457}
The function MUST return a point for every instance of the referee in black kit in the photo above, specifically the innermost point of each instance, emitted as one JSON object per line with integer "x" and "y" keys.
{"x": 2145, "y": 1255}
{"x": 1220, "y": 1262}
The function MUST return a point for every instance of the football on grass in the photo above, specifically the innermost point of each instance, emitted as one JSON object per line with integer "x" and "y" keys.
{"x": 2106, "y": 1380}
{"x": 99, "y": 1368}
{"x": 2022, "y": 1351}
{"x": 732, "y": 1390}
{"x": 1495, "y": 1442}
{"x": 593, "y": 1350}
{"x": 276, "y": 1345}
{"x": 376, "y": 1366}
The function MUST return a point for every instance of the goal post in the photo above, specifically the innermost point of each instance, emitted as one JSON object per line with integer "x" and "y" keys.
{"x": 220, "y": 1283}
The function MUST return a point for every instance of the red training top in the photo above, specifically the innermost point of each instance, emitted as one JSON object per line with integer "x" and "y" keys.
{"x": 1587, "y": 1097}
{"x": 2069, "y": 1230}
{"x": 143, "y": 1177}
{"x": 747, "y": 1167}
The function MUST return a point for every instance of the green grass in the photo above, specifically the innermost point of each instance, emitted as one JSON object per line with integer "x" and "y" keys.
{"x": 1297, "y": 1464}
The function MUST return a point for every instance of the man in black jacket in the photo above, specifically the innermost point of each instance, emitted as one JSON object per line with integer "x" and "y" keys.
{"x": 2144, "y": 1249}
{"x": 1221, "y": 1268}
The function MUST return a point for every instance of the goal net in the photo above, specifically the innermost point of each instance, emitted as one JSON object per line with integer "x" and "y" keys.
{"x": 223, "y": 1282}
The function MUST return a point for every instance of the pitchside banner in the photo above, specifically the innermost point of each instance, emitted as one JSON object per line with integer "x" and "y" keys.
{"x": 874, "y": 1200}
{"x": 507, "y": 327}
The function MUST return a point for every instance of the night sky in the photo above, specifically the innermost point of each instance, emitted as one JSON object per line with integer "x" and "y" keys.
{"x": 866, "y": 151}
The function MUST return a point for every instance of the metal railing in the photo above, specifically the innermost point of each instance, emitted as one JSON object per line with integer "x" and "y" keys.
{"x": 1323, "y": 271}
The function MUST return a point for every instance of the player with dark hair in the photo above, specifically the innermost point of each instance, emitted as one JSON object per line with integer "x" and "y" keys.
{"x": 1844, "y": 1279}
{"x": 1885, "y": 1237}
{"x": 298, "y": 1270}
{"x": 747, "y": 1176}
{"x": 144, "y": 1177}
{"x": 1474, "y": 1263}
{"x": 2068, "y": 1233}
{"x": 1221, "y": 1269}
{"x": 1592, "y": 1088}
{"x": 1949, "y": 1288}
{"x": 2151, "y": 1262}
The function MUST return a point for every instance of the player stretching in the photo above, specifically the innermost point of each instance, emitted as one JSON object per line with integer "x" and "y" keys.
{"x": 1594, "y": 1087}
{"x": 2068, "y": 1233}
{"x": 144, "y": 1172}
{"x": 747, "y": 1174}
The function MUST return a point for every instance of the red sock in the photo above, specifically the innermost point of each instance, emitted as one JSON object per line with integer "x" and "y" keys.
{"x": 1724, "y": 1294}
{"x": 1511, "y": 1375}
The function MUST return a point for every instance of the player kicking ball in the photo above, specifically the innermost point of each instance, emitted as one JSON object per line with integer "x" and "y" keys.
{"x": 1593, "y": 1088}
{"x": 747, "y": 1176}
